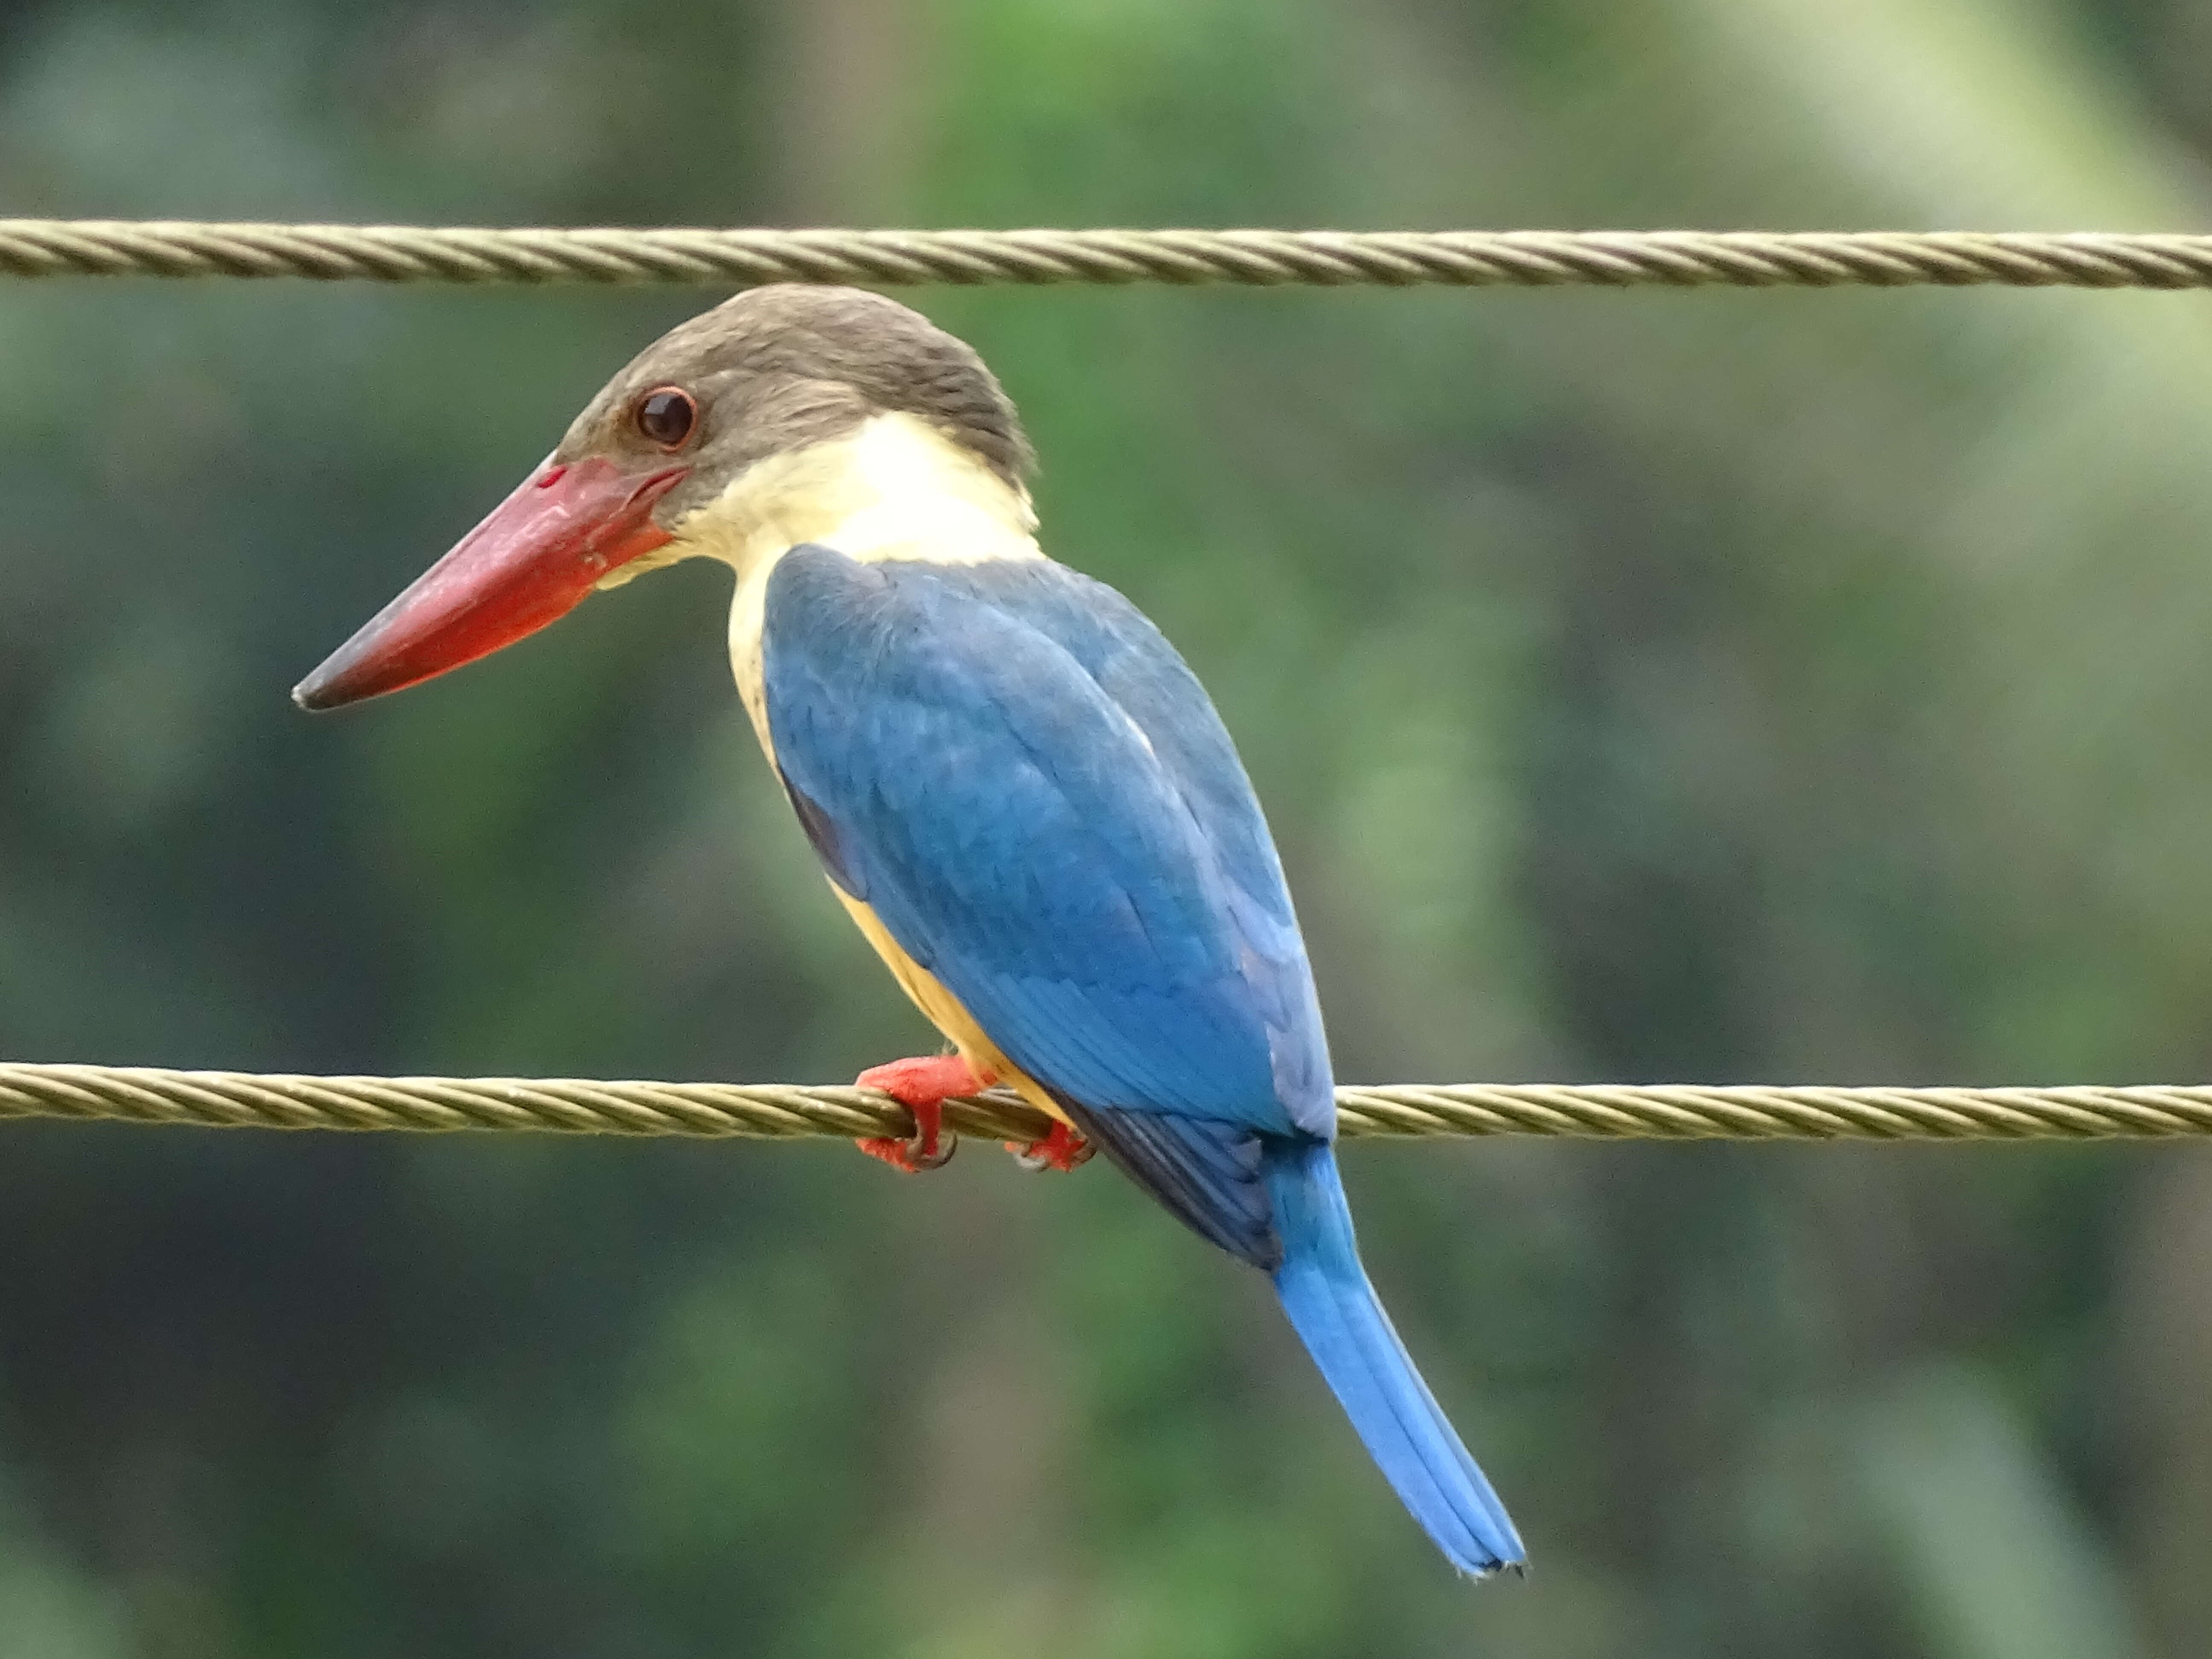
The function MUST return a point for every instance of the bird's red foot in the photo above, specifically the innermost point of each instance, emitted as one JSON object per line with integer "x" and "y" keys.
{"x": 922, "y": 1086}
{"x": 1062, "y": 1150}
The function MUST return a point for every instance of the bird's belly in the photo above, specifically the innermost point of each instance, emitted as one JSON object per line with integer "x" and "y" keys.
{"x": 944, "y": 1010}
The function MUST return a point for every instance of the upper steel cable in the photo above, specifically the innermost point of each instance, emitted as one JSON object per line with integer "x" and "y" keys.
{"x": 1466, "y": 258}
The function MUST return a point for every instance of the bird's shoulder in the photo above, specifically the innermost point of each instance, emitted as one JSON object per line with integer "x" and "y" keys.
{"x": 1025, "y": 635}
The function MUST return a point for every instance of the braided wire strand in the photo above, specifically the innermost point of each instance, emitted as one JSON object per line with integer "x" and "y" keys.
{"x": 788, "y": 1111}
{"x": 1468, "y": 259}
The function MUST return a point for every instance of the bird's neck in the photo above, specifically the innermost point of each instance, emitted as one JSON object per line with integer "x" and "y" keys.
{"x": 897, "y": 489}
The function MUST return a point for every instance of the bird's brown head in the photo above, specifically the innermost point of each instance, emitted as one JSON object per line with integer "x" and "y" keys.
{"x": 772, "y": 371}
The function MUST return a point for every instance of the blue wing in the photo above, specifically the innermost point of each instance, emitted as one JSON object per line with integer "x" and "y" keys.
{"x": 1011, "y": 767}
{"x": 1008, "y": 763}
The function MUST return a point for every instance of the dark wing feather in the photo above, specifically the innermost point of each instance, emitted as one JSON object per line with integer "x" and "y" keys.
{"x": 1206, "y": 1173}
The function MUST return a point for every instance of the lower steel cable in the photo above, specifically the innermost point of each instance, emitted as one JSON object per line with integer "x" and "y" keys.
{"x": 784, "y": 1111}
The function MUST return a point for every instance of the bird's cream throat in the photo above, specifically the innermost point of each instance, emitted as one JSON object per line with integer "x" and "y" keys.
{"x": 896, "y": 488}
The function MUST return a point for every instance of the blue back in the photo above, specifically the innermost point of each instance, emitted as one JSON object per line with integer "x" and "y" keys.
{"x": 1013, "y": 769}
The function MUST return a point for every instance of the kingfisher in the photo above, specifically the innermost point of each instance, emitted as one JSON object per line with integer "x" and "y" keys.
{"x": 1016, "y": 787}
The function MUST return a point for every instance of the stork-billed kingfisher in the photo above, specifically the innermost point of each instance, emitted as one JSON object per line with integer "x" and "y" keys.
{"x": 1016, "y": 787}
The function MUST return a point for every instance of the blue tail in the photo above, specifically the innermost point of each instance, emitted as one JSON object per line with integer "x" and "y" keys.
{"x": 1326, "y": 1293}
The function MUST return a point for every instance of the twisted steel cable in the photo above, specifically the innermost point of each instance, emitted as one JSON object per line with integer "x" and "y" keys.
{"x": 1469, "y": 258}
{"x": 783, "y": 1111}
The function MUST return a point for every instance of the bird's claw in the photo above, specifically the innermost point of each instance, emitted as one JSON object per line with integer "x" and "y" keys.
{"x": 922, "y": 1086}
{"x": 1063, "y": 1150}
{"x": 933, "y": 1150}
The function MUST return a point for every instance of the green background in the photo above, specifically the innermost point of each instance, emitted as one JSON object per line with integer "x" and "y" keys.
{"x": 1782, "y": 687}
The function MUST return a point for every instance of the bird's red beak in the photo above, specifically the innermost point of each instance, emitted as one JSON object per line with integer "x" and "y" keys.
{"x": 530, "y": 563}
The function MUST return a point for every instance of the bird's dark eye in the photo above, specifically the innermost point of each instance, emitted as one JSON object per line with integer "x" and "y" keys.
{"x": 666, "y": 415}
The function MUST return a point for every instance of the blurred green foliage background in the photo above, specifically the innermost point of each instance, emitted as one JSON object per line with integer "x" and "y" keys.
{"x": 1723, "y": 686}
